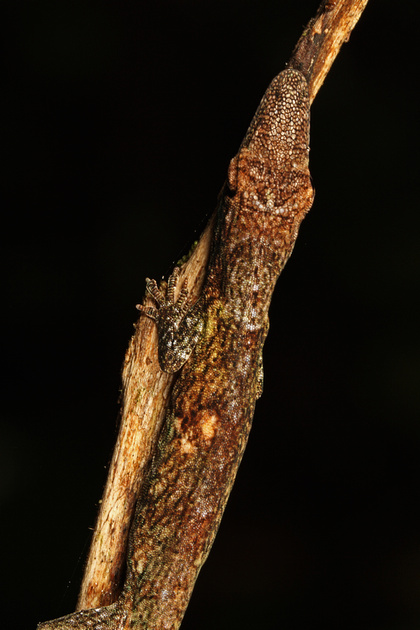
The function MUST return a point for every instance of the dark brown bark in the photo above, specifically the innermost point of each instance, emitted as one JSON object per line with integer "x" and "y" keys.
{"x": 146, "y": 388}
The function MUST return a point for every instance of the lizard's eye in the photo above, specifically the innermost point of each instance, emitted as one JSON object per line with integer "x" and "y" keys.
{"x": 233, "y": 174}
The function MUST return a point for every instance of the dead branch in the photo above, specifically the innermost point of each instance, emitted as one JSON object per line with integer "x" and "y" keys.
{"x": 145, "y": 387}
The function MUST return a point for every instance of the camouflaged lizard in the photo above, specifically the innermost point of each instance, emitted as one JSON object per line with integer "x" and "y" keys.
{"x": 216, "y": 344}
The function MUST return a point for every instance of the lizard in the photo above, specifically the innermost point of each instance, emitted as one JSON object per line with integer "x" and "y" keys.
{"x": 216, "y": 345}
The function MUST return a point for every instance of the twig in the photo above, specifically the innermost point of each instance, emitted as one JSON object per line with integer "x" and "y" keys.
{"x": 145, "y": 387}
{"x": 322, "y": 39}
{"x": 145, "y": 395}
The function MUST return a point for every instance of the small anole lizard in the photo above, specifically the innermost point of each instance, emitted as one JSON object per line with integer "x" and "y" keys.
{"x": 217, "y": 346}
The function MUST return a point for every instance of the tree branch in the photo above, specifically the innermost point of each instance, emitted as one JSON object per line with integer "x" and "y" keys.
{"x": 146, "y": 388}
{"x": 322, "y": 39}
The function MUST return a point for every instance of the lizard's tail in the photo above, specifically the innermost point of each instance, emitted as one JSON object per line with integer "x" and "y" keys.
{"x": 106, "y": 618}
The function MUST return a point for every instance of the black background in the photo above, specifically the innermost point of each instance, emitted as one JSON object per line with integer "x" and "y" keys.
{"x": 119, "y": 119}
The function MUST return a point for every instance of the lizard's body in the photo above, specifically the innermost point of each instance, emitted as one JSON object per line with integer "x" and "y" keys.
{"x": 220, "y": 342}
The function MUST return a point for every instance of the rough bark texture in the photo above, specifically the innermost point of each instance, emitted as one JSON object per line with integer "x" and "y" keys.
{"x": 212, "y": 403}
{"x": 145, "y": 387}
{"x": 146, "y": 390}
{"x": 322, "y": 39}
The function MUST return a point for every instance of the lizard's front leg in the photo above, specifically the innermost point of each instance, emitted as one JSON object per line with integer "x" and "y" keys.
{"x": 179, "y": 325}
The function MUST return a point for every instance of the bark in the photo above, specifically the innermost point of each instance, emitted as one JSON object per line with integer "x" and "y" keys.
{"x": 146, "y": 388}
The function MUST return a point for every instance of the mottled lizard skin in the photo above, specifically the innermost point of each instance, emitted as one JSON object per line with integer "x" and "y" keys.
{"x": 217, "y": 345}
